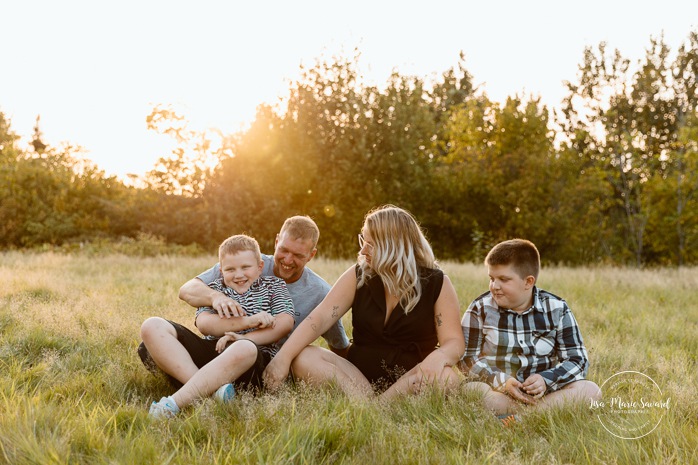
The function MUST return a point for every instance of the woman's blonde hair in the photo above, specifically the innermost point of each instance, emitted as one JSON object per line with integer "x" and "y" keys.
{"x": 399, "y": 248}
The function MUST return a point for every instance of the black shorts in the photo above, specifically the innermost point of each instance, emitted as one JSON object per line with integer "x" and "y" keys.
{"x": 203, "y": 351}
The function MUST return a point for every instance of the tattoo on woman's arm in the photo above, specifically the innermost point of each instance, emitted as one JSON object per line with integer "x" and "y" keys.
{"x": 335, "y": 313}
{"x": 312, "y": 325}
{"x": 439, "y": 321}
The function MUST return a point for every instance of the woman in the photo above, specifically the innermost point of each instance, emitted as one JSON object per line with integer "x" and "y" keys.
{"x": 405, "y": 316}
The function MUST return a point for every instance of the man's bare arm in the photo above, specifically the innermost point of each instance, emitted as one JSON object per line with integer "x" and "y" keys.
{"x": 197, "y": 294}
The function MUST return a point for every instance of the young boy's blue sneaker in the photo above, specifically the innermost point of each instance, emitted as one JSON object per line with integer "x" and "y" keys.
{"x": 166, "y": 408}
{"x": 225, "y": 393}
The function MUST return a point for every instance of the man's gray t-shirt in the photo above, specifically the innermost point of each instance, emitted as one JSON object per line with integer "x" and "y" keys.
{"x": 306, "y": 294}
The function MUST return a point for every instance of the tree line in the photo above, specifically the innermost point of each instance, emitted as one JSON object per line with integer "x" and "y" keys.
{"x": 610, "y": 176}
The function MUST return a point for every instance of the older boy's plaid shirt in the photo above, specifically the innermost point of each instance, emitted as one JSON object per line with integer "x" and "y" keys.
{"x": 545, "y": 339}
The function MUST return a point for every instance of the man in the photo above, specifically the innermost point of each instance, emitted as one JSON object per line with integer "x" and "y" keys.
{"x": 163, "y": 345}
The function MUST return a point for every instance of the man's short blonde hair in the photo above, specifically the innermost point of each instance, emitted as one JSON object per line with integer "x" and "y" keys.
{"x": 301, "y": 227}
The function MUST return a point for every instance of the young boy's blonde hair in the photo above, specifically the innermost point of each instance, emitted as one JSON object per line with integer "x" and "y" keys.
{"x": 239, "y": 243}
{"x": 521, "y": 254}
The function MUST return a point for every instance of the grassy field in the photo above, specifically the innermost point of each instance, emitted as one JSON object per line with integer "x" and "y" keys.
{"x": 72, "y": 389}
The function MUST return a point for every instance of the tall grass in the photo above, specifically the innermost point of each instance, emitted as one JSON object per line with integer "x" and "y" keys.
{"x": 72, "y": 389}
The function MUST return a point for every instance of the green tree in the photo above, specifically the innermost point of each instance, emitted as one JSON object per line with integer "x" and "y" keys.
{"x": 9, "y": 155}
{"x": 53, "y": 195}
{"x": 683, "y": 156}
{"x": 338, "y": 149}
{"x": 185, "y": 172}
{"x": 676, "y": 201}
{"x": 504, "y": 177}
{"x": 254, "y": 183}
{"x": 627, "y": 126}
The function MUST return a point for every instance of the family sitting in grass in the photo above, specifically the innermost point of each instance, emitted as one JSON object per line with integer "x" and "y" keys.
{"x": 517, "y": 344}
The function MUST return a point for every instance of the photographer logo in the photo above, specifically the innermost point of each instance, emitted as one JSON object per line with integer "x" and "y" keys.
{"x": 632, "y": 405}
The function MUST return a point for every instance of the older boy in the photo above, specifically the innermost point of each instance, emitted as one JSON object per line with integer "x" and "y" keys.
{"x": 523, "y": 343}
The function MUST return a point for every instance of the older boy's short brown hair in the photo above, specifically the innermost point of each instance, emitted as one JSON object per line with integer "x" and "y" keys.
{"x": 301, "y": 227}
{"x": 239, "y": 243}
{"x": 520, "y": 253}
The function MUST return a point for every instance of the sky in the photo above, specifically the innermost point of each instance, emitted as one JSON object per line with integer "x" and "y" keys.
{"x": 93, "y": 70}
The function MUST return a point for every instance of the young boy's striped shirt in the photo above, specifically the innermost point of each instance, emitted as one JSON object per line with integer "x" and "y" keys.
{"x": 266, "y": 294}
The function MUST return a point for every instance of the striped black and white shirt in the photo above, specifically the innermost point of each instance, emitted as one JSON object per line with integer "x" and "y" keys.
{"x": 266, "y": 294}
{"x": 544, "y": 340}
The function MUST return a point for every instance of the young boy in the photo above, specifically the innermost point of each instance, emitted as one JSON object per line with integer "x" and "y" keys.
{"x": 269, "y": 317}
{"x": 523, "y": 343}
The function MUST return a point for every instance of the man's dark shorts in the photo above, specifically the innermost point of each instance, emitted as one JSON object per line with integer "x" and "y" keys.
{"x": 203, "y": 351}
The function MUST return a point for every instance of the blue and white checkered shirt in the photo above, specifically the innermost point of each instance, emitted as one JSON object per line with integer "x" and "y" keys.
{"x": 544, "y": 340}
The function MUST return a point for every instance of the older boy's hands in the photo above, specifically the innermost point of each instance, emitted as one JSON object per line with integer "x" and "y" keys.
{"x": 514, "y": 389}
{"x": 535, "y": 386}
{"x": 226, "y": 307}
